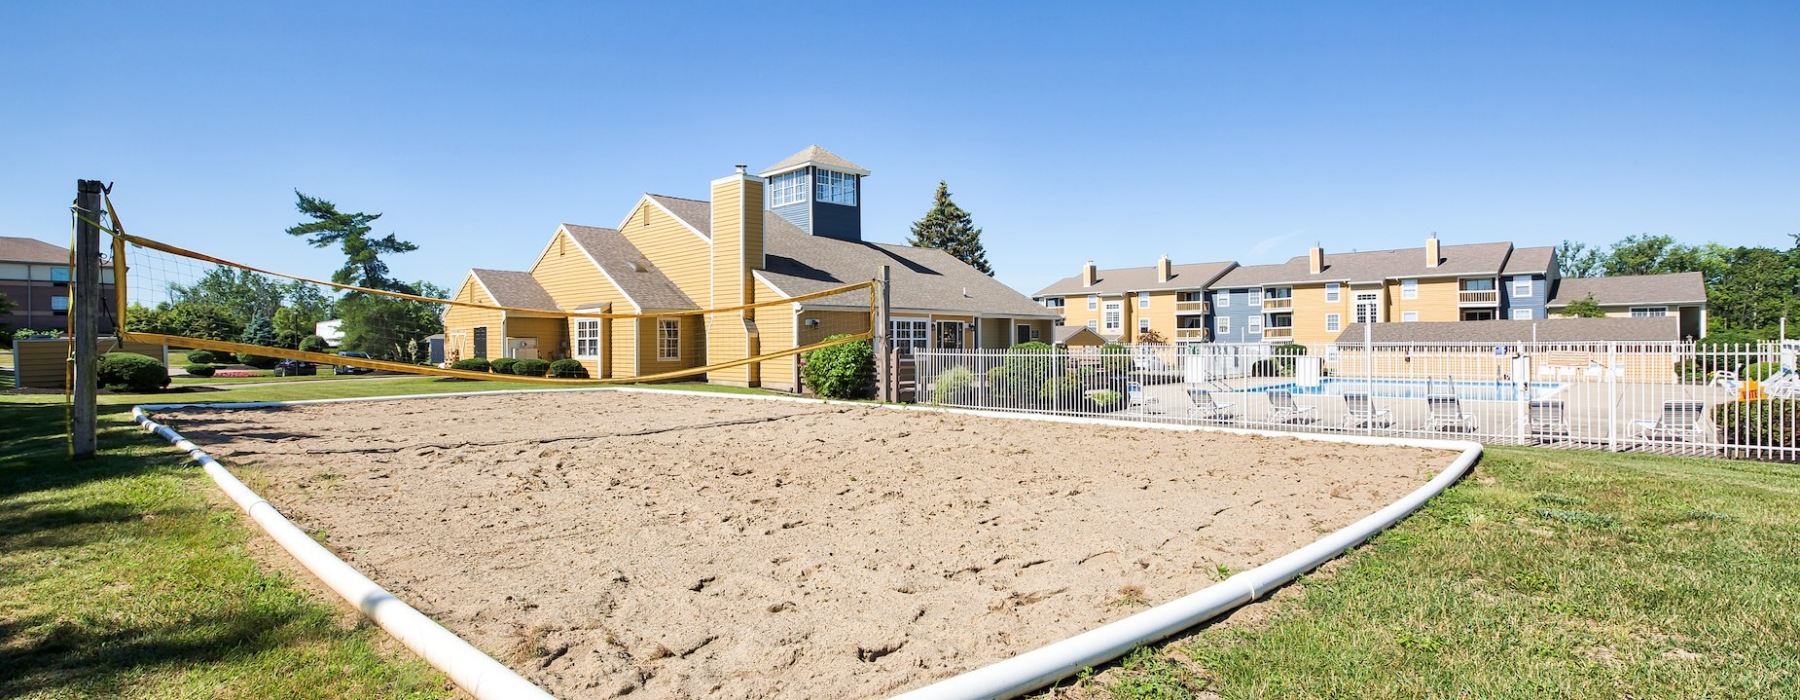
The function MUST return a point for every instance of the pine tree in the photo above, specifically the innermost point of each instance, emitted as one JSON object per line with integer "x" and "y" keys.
{"x": 363, "y": 266}
{"x": 950, "y": 229}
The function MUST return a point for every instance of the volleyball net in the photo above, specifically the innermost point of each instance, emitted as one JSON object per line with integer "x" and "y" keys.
{"x": 181, "y": 298}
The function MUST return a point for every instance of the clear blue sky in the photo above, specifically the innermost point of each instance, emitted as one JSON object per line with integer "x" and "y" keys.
{"x": 1112, "y": 132}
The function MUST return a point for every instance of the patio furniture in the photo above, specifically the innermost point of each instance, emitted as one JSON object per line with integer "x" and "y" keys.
{"x": 1136, "y": 398}
{"x": 1205, "y": 407}
{"x": 1725, "y": 378}
{"x": 1445, "y": 411}
{"x": 1282, "y": 407}
{"x": 1783, "y": 384}
{"x": 1548, "y": 418}
{"x": 1359, "y": 410}
{"x": 1680, "y": 420}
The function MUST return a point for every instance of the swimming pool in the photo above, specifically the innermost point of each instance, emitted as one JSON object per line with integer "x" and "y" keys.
{"x": 1418, "y": 389}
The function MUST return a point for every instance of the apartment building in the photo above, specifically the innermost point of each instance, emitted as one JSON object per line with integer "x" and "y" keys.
{"x": 1126, "y": 305}
{"x": 35, "y": 277}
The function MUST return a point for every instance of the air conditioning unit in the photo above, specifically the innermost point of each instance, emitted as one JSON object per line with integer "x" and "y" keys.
{"x": 522, "y": 348}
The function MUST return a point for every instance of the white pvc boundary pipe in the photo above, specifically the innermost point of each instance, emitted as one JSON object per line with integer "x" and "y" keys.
{"x": 486, "y": 678}
{"x": 468, "y": 667}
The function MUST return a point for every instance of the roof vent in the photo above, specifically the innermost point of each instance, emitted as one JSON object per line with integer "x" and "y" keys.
{"x": 637, "y": 266}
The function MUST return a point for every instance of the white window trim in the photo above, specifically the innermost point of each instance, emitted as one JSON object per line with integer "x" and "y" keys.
{"x": 801, "y": 191}
{"x": 1222, "y": 300}
{"x": 1522, "y": 281}
{"x": 1650, "y": 311}
{"x": 1093, "y": 324}
{"x": 1409, "y": 289}
{"x": 1521, "y": 314}
{"x": 1113, "y": 325}
{"x": 1143, "y": 300}
{"x": 1224, "y": 325}
{"x": 1093, "y": 302}
{"x": 1334, "y": 322}
{"x": 1253, "y": 325}
{"x": 1143, "y": 325}
{"x": 1256, "y": 296}
{"x": 917, "y": 336}
{"x": 598, "y": 349}
{"x": 836, "y": 185}
{"x": 1333, "y": 291}
{"x": 662, "y": 323}
{"x": 1409, "y": 317}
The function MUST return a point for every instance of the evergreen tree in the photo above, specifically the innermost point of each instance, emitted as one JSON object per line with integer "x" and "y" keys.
{"x": 261, "y": 333}
{"x": 363, "y": 266}
{"x": 950, "y": 229}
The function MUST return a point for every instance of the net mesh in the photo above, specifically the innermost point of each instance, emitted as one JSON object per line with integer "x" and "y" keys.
{"x": 187, "y": 299}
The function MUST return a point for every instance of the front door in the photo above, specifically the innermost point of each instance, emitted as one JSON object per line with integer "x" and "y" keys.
{"x": 1022, "y": 334}
{"x": 950, "y": 335}
{"x": 480, "y": 341}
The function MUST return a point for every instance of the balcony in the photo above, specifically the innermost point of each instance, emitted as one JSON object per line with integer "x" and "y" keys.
{"x": 1192, "y": 335}
{"x": 1277, "y": 303}
{"x": 1478, "y": 297}
{"x": 1192, "y": 307}
{"x": 1282, "y": 333}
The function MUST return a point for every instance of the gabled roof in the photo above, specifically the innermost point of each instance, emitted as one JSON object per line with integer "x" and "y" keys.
{"x": 518, "y": 290}
{"x": 1063, "y": 334}
{"x": 921, "y": 279}
{"x": 1549, "y": 330}
{"x": 1258, "y": 275}
{"x": 628, "y": 269}
{"x": 1678, "y": 288}
{"x": 1378, "y": 265}
{"x": 697, "y": 214}
{"x": 1135, "y": 279}
{"x": 1530, "y": 261}
{"x": 31, "y": 250}
{"x": 814, "y": 155}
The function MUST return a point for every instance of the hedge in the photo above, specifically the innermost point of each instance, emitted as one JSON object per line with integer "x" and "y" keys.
{"x": 1761, "y": 423}
{"x": 201, "y": 370}
{"x": 202, "y": 357}
{"x": 568, "y": 369}
{"x": 473, "y": 364}
{"x": 531, "y": 368}
{"x": 502, "y": 365}
{"x": 840, "y": 371}
{"x": 129, "y": 371}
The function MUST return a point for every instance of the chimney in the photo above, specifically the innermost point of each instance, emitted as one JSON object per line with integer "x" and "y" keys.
{"x": 1164, "y": 270}
{"x": 1315, "y": 260}
{"x": 1432, "y": 253}
{"x": 1088, "y": 273}
{"x": 737, "y": 248}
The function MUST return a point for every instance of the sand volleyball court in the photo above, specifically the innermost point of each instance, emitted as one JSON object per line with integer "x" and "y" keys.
{"x": 682, "y": 546}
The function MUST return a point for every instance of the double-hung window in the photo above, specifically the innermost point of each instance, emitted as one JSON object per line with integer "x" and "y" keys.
{"x": 587, "y": 338}
{"x": 1222, "y": 299}
{"x": 1256, "y": 297}
{"x": 1409, "y": 289}
{"x": 1333, "y": 322}
{"x": 1093, "y": 301}
{"x": 787, "y": 188}
{"x": 668, "y": 339}
{"x": 1143, "y": 300}
{"x": 1253, "y": 326}
{"x": 1331, "y": 291}
{"x": 1409, "y": 316}
{"x": 1143, "y": 325}
{"x": 1521, "y": 314}
{"x": 1224, "y": 323}
{"x": 1522, "y": 286}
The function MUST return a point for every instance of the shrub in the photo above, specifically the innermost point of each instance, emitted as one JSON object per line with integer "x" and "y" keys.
{"x": 1760, "y": 371}
{"x": 1762, "y": 423}
{"x": 200, "y": 370}
{"x": 531, "y": 368}
{"x": 1106, "y": 398}
{"x": 202, "y": 357}
{"x": 840, "y": 371}
{"x": 951, "y": 384}
{"x": 503, "y": 365}
{"x": 313, "y": 343}
{"x": 568, "y": 369}
{"x": 1023, "y": 371}
{"x": 129, "y": 371}
{"x": 258, "y": 361}
{"x": 1067, "y": 385}
{"x": 1282, "y": 364}
{"x": 473, "y": 364}
{"x": 1115, "y": 358}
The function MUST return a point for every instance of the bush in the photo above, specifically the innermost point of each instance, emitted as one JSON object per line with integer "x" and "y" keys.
{"x": 1762, "y": 423}
{"x": 202, "y": 357}
{"x": 1115, "y": 358}
{"x": 1760, "y": 371}
{"x": 952, "y": 385}
{"x": 313, "y": 343}
{"x": 840, "y": 371}
{"x": 473, "y": 364}
{"x": 568, "y": 369}
{"x": 1282, "y": 364}
{"x": 503, "y": 365}
{"x": 1022, "y": 372}
{"x": 129, "y": 371}
{"x": 531, "y": 368}
{"x": 200, "y": 370}
{"x": 1106, "y": 399}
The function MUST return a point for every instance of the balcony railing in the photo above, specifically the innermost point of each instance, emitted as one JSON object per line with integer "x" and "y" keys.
{"x": 1192, "y": 307}
{"x": 1478, "y": 297}
{"x": 1199, "y": 335}
{"x": 1278, "y": 333}
{"x": 1269, "y": 303}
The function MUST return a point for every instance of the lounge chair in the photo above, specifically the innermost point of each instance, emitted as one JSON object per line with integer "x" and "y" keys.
{"x": 1282, "y": 407}
{"x": 1783, "y": 384}
{"x": 1446, "y": 412}
{"x": 1359, "y": 410}
{"x": 1205, "y": 407}
{"x": 1680, "y": 420}
{"x": 1548, "y": 418}
{"x": 1136, "y": 398}
{"x": 1725, "y": 378}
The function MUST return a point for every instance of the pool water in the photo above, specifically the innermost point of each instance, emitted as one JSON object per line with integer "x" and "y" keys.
{"x": 1419, "y": 388}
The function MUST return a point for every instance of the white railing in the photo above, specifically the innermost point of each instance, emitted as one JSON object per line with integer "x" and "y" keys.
{"x": 1669, "y": 398}
{"x": 1192, "y": 307}
{"x": 1478, "y": 297}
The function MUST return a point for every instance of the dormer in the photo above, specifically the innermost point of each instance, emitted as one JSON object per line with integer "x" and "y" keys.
{"x": 819, "y": 192}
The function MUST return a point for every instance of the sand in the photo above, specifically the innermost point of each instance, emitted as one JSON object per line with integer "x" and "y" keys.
{"x": 674, "y": 546}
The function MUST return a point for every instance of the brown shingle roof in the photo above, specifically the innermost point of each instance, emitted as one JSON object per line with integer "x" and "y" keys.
{"x": 1549, "y": 330}
{"x": 636, "y": 277}
{"x": 1530, "y": 261}
{"x": 922, "y": 279}
{"x": 814, "y": 155}
{"x": 1258, "y": 275}
{"x": 1679, "y": 288}
{"x": 1064, "y": 334}
{"x": 518, "y": 290}
{"x": 697, "y": 213}
{"x": 1377, "y": 265}
{"x": 1132, "y": 279}
{"x": 31, "y": 250}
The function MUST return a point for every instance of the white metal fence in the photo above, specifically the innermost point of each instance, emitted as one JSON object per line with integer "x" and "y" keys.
{"x": 1671, "y": 397}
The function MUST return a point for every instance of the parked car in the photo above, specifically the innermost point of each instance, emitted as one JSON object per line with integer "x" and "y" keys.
{"x": 295, "y": 368}
{"x": 347, "y": 369}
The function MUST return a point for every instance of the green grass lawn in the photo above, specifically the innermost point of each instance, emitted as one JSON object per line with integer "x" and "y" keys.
{"x": 1546, "y": 574}
{"x": 127, "y": 576}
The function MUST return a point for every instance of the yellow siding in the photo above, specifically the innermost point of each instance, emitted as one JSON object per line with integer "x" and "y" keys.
{"x": 1076, "y": 313}
{"x": 574, "y": 280}
{"x": 832, "y": 323}
{"x": 1161, "y": 314}
{"x": 776, "y": 324}
{"x": 460, "y": 323}
{"x": 736, "y": 230}
{"x": 1436, "y": 302}
{"x": 551, "y": 334}
{"x": 44, "y": 364}
{"x": 691, "y": 343}
{"x": 1310, "y": 309}
{"x": 673, "y": 248}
